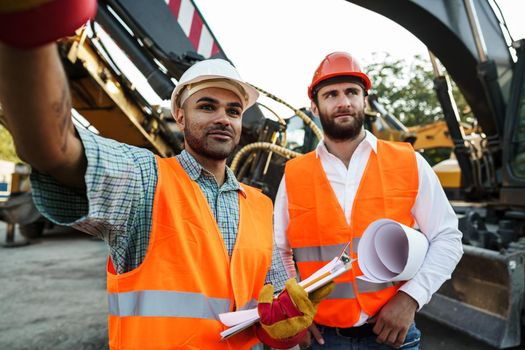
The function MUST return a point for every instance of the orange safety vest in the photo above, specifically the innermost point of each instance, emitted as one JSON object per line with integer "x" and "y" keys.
{"x": 173, "y": 299}
{"x": 318, "y": 229}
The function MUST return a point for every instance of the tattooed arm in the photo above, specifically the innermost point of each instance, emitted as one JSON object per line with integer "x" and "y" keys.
{"x": 37, "y": 104}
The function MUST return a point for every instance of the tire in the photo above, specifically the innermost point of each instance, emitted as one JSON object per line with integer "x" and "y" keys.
{"x": 32, "y": 230}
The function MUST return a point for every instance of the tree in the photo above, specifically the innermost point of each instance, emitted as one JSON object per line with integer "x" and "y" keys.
{"x": 7, "y": 147}
{"x": 406, "y": 89}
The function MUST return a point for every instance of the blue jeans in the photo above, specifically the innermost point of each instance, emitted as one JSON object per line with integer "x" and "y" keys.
{"x": 334, "y": 341}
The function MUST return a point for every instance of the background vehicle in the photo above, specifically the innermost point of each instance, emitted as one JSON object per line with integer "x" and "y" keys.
{"x": 485, "y": 296}
{"x": 16, "y": 204}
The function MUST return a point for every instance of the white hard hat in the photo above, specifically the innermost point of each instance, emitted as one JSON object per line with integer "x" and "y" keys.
{"x": 212, "y": 73}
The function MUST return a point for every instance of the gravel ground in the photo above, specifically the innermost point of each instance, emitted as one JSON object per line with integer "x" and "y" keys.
{"x": 52, "y": 293}
{"x": 52, "y": 296}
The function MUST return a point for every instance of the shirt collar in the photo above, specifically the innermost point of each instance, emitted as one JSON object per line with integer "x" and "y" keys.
{"x": 370, "y": 140}
{"x": 195, "y": 171}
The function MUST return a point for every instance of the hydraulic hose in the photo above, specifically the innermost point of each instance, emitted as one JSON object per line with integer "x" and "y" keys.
{"x": 281, "y": 121}
{"x": 298, "y": 112}
{"x": 266, "y": 146}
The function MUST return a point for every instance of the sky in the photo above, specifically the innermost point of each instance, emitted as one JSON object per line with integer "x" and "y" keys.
{"x": 277, "y": 44}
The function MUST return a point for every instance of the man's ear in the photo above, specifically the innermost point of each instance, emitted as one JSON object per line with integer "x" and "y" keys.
{"x": 313, "y": 107}
{"x": 180, "y": 118}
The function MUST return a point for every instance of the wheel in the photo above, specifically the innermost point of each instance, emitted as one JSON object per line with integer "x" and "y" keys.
{"x": 32, "y": 230}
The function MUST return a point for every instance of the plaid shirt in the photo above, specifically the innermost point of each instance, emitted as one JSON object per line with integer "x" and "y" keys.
{"x": 118, "y": 203}
{"x": 223, "y": 201}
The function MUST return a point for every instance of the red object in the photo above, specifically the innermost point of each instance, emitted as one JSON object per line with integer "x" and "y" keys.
{"x": 45, "y": 23}
{"x": 280, "y": 309}
{"x": 338, "y": 64}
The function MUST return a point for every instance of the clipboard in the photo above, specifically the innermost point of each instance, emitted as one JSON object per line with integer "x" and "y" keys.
{"x": 240, "y": 320}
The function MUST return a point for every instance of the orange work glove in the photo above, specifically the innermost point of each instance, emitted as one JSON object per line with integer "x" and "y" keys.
{"x": 285, "y": 319}
{"x": 30, "y": 23}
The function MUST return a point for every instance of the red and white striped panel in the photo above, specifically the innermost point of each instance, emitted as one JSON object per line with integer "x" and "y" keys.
{"x": 192, "y": 24}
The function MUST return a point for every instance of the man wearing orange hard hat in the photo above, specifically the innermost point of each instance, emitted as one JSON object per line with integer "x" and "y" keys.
{"x": 329, "y": 196}
{"x": 187, "y": 241}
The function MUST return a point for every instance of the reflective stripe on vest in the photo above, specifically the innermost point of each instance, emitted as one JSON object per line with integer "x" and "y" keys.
{"x": 166, "y": 304}
{"x": 368, "y": 287}
{"x": 324, "y": 253}
{"x": 249, "y": 305}
{"x": 176, "y": 280}
{"x": 345, "y": 290}
{"x": 388, "y": 189}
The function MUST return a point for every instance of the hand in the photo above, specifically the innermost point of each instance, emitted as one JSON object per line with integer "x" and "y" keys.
{"x": 285, "y": 319}
{"x": 319, "y": 294}
{"x": 394, "y": 319}
{"x": 316, "y": 297}
{"x": 314, "y": 332}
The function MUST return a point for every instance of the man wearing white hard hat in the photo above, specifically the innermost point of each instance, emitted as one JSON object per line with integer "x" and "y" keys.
{"x": 187, "y": 241}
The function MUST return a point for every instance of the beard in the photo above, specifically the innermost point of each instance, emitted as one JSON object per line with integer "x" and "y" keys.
{"x": 207, "y": 147}
{"x": 342, "y": 131}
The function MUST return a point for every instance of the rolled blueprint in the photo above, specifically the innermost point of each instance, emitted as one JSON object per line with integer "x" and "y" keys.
{"x": 389, "y": 251}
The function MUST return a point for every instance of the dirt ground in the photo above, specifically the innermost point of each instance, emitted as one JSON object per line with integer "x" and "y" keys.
{"x": 52, "y": 296}
{"x": 52, "y": 293}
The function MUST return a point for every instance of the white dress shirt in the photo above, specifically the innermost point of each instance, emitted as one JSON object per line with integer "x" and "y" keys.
{"x": 432, "y": 212}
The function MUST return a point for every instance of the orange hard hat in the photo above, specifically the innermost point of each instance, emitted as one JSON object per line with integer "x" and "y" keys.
{"x": 338, "y": 64}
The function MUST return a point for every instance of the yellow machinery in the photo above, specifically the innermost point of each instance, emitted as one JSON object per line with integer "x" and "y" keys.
{"x": 488, "y": 306}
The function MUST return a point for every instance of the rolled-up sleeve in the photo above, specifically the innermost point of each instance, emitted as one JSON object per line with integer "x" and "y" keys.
{"x": 120, "y": 185}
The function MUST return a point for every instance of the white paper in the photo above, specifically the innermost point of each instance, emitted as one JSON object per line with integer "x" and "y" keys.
{"x": 238, "y": 328}
{"x": 389, "y": 251}
{"x": 239, "y": 320}
{"x": 339, "y": 270}
{"x": 332, "y": 265}
{"x": 231, "y": 319}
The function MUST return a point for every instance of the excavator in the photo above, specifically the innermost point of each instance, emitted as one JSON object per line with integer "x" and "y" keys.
{"x": 162, "y": 38}
{"x": 484, "y": 298}
{"x": 433, "y": 141}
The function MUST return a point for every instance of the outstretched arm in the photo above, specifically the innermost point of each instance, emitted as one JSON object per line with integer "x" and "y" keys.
{"x": 33, "y": 89}
{"x": 37, "y": 105}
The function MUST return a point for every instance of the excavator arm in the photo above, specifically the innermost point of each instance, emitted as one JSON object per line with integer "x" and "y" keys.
{"x": 484, "y": 298}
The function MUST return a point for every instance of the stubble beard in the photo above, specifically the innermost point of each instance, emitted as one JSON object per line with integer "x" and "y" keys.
{"x": 207, "y": 148}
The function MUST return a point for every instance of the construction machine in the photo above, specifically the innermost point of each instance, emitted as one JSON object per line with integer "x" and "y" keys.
{"x": 16, "y": 202}
{"x": 484, "y": 298}
{"x": 434, "y": 142}
{"x": 162, "y": 38}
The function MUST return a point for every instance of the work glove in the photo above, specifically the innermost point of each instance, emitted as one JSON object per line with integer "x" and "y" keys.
{"x": 26, "y": 24}
{"x": 284, "y": 320}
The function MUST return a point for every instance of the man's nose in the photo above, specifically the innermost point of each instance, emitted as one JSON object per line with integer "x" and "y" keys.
{"x": 344, "y": 101}
{"x": 222, "y": 117}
